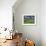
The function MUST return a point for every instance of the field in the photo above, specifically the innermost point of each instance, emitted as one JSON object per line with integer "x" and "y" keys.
{"x": 28, "y": 21}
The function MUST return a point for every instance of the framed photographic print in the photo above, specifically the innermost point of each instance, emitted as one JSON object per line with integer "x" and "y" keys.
{"x": 29, "y": 19}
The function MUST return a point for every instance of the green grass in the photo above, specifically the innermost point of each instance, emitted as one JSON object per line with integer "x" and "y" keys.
{"x": 28, "y": 21}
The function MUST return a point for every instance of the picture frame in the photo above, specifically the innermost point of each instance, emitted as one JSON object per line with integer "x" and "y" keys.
{"x": 29, "y": 19}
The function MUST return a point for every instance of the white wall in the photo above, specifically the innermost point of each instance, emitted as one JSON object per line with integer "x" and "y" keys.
{"x": 43, "y": 22}
{"x": 29, "y": 7}
{"x": 6, "y": 13}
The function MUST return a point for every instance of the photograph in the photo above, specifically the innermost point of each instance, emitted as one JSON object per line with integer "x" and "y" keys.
{"x": 29, "y": 20}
